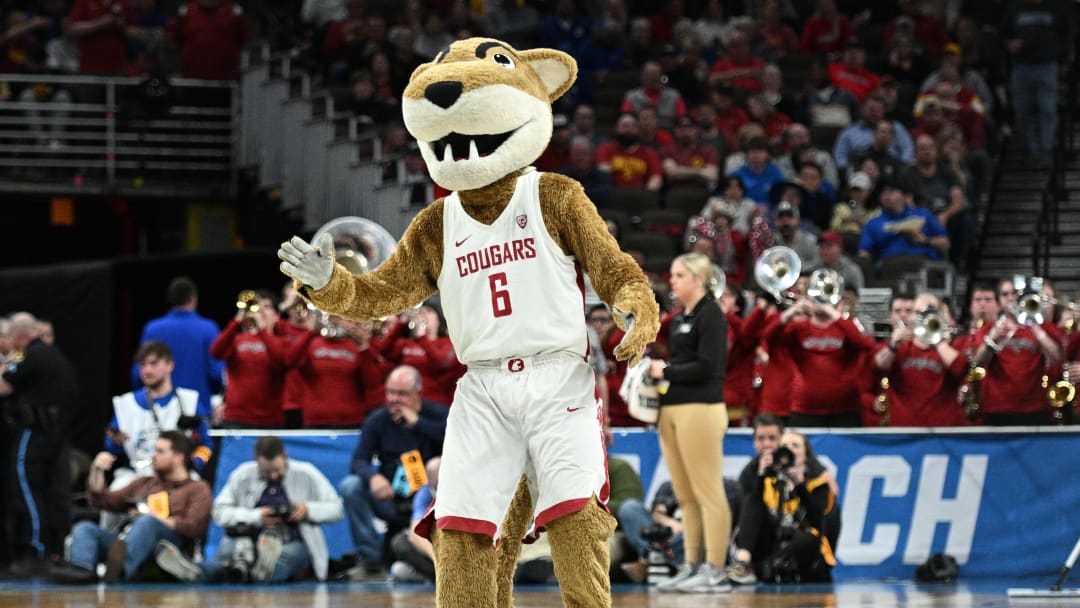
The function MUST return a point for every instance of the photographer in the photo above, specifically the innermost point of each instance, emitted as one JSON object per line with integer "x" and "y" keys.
{"x": 784, "y": 531}
{"x": 272, "y": 510}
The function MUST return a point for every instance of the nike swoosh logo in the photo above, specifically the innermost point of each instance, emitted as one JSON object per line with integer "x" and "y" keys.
{"x": 458, "y": 243}
{"x": 574, "y": 409}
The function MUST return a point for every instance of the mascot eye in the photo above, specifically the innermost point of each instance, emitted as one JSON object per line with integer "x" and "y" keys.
{"x": 503, "y": 60}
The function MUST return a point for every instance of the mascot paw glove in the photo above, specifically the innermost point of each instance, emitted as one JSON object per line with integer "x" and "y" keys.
{"x": 311, "y": 265}
{"x": 638, "y": 335}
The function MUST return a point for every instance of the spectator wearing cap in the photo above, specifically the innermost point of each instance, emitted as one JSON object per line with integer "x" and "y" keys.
{"x": 210, "y": 34}
{"x": 654, "y": 93}
{"x": 827, "y": 30}
{"x": 821, "y": 104}
{"x": 902, "y": 229}
{"x": 961, "y": 106}
{"x": 860, "y": 135}
{"x": 653, "y": 135}
{"x": 790, "y": 233}
{"x": 849, "y": 217}
{"x": 687, "y": 163}
{"x": 796, "y": 141}
{"x": 969, "y": 78}
{"x": 759, "y": 174}
{"x": 927, "y": 29}
{"x": 831, "y": 256}
{"x": 582, "y": 167}
{"x": 557, "y": 154}
{"x": 739, "y": 69}
{"x": 730, "y": 199}
{"x": 630, "y": 164}
{"x": 851, "y": 74}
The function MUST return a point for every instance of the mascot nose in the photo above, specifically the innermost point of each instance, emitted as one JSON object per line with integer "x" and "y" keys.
{"x": 443, "y": 94}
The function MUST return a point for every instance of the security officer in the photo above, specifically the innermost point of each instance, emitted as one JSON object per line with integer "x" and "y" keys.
{"x": 41, "y": 389}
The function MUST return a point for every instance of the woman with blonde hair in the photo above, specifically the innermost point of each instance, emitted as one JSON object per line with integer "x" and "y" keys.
{"x": 692, "y": 424}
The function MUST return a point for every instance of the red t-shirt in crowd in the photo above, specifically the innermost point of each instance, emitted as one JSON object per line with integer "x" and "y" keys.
{"x": 255, "y": 364}
{"x": 819, "y": 35}
{"x": 744, "y": 334}
{"x": 781, "y": 379}
{"x": 746, "y": 83}
{"x": 922, "y": 389}
{"x": 104, "y": 51}
{"x": 435, "y": 359}
{"x": 289, "y": 335}
{"x": 629, "y": 169}
{"x": 210, "y": 40}
{"x": 334, "y": 374}
{"x": 1013, "y": 382}
{"x": 695, "y": 157}
{"x": 828, "y": 358}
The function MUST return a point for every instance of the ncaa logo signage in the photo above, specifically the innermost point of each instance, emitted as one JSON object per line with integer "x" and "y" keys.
{"x": 515, "y": 365}
{"x": 522, "y": 220}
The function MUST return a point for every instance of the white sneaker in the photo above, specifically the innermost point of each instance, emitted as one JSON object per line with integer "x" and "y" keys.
{"x": 403, "y": 572}
{"x": 268, "y": 550}
{"x": 169, "y": 557}
{"x": 686, "y": 571}
{"x": 707, "y": 579}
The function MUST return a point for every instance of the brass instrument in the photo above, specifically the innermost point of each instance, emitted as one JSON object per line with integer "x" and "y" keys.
{"x": 930, "y": 327}
{"x": 248, "y": 302}
{"x": 1061, "y": 395}
{"x": 826, "y": 286}
{"x": 971, "y": 392}
{"x": 881, "y": 404}
{"x": 1032, "y": 307}
{"x": 776, "y": 271}
{"x": 329, "y": 329}
{"x": 360, "y": 245}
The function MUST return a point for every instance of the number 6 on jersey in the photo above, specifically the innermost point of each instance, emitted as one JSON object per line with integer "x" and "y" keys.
{"x": 500, "y": 297}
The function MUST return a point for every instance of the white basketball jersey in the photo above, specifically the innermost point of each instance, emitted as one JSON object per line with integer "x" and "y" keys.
{"x": 143, "y": 426}
{"x": 508, "y": 289}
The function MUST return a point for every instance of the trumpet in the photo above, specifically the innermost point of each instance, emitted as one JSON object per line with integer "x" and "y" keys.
{"x": 776, "y": 271}
{"x": 248, "y": 302}
{"x": 826, "y": 286}
{"x": 1061, "y": 395}
{"x": 930, "y": 327}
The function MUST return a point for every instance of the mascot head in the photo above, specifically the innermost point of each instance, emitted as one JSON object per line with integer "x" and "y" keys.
{"x": 482, "y": 109}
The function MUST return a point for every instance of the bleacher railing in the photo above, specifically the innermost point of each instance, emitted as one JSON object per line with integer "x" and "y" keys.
{"x": 1048, "y": 226}
{"x": 118, "y": 135}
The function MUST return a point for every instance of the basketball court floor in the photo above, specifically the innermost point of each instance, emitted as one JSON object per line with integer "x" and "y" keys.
{"x": 988, "y": 594}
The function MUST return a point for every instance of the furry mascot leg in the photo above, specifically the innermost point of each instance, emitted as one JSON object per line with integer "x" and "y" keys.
{"x": 580, "y": 551}
{"x": 464, "y": 570}
{"x": 515, "y": 525}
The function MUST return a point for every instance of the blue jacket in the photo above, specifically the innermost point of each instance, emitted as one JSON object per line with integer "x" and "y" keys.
{"x": 189, "y": 335}
{"x": 384, "y": 438}
{"x": 882, "y": 243}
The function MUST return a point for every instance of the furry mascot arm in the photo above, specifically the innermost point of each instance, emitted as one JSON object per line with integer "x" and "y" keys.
{"x": 406, "y": 278}
{"x": 575, "y": 224}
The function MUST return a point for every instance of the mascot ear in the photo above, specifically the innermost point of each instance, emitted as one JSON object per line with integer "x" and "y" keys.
{"x": 556, "y": 69}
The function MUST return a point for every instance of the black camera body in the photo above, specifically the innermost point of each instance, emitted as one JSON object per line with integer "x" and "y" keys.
{"x": 281, "y": 511}
{"x": 782, "y": 458}
{"x": 657, "y": 533}
{"x": 780, "y": 568}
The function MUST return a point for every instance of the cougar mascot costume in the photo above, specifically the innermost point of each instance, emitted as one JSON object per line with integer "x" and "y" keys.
{"x": 506, "y": 249}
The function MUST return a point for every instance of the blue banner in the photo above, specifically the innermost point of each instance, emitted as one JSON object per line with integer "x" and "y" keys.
{"x": 1001, "y": 503}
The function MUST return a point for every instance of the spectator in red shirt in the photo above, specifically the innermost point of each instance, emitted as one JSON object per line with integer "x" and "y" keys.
{"x": 336, "y": 371}
{"x": 773, "y": 121}
{"x": 100, "y": 26}
{"x": 851, "y": 74}
{"x": 826, "y": 31}
{"x": 827, "y": 349}
{"x": 291, "y": 330}
{"x": 730, "y": 118}
{"x": 923, "y": 378}
{"x": 652, "y": 134}
{"x": 420, "y": 340}
{"x": 739, "y": 69}
{"x": 255, "y": 362}
{"x": 777, "y": 36}
{"x": 557, "y": 154}
{"x": 687, "y": 162}
{"x": 210, "y": 34}
{"x": 744, "y": 335}
{"x": 630, "y": 164}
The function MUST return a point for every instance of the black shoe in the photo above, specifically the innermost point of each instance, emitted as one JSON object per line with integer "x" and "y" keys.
{"x": 114, "y": 562}
{"x": 67, "y": 573}
{"x": 26, "y": 569}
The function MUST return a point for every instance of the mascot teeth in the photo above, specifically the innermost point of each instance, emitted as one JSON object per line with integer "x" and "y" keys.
{"x": 457, "y": 146}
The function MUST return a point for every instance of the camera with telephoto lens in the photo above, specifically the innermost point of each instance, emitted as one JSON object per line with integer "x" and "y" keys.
{"x": 657, "y": 534}
{"x": 281, "y": 511}
{"x": 782, "y": 458}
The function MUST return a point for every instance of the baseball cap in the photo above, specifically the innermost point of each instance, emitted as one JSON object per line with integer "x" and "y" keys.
{"x": 859, "y": 180}
{"x": 786, "y": 208}
{"x": 830, "y": 238}
{"x": 685, "y": 121}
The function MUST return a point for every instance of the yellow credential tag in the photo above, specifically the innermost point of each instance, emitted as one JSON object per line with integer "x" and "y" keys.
{"x": 414, "y": 469}
{"x": 158, "y": 503}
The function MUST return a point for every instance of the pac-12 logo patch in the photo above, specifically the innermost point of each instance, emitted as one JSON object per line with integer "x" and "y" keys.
{"x": 522, "y": 220}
